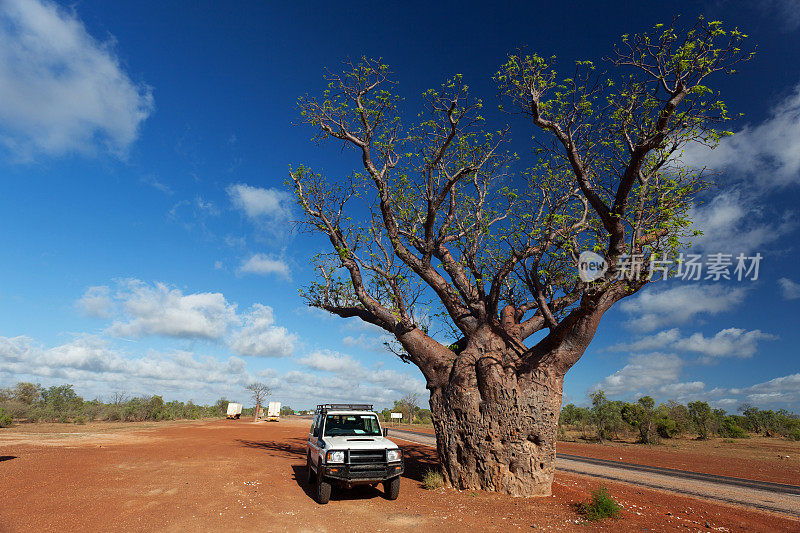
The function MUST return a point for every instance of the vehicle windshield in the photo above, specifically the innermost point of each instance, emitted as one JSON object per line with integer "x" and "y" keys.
{"x": 352, "y": 425}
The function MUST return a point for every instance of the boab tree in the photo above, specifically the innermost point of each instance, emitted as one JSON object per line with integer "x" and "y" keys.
{"x": 259, "y": 392}
{"x": 437, "y": 213}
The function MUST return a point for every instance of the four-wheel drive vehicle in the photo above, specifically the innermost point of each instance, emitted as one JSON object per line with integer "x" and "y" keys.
{"x": 347, "y": 447}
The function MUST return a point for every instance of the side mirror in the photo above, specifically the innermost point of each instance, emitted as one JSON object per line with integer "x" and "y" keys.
{"x": 316, "y": 432}
{"x": 385, "y": 432}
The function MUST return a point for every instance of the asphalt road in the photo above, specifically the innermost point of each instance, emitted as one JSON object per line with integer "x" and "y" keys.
{"x": 775, "y": 497}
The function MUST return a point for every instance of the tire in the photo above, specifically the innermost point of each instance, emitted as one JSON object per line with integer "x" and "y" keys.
{"x": 391, "y": 488}
{"x": 310, "y": 471}
{"x": 323, "y": 488}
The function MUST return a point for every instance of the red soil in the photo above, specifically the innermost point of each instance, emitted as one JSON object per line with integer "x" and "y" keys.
{"x": 241, "y": 476}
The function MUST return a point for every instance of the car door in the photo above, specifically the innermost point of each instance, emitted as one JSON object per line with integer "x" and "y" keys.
{"x": 313, "y": 440}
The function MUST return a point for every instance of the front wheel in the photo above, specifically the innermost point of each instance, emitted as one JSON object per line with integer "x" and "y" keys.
{"x": 391, "y": 488}
{"x": 323, "y": 487}
{"x": 323, "y": 491}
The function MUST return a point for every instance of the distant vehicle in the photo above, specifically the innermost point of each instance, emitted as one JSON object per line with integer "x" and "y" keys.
{"x": 234, "y": 411}
{"x": 347, "y": 447}
{"x": 274, "y": 412}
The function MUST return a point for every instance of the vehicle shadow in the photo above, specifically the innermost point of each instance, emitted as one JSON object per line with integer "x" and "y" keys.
{"x": 359, "y": 492}
{"x": 7, "y": 457}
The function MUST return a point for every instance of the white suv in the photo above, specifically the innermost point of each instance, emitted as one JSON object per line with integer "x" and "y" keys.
{"x": 346, "y": 446}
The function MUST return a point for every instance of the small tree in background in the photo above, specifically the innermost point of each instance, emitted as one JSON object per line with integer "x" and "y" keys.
{"x": 222, "y": 406}
{"x": 606, "y": 415}
{"x": 27, "y": 393}
{"x": 642, "y": 415}
{"x": 701, "y": 416}
{"x": 258, "y": 391}
{"x": 410, "y": 401}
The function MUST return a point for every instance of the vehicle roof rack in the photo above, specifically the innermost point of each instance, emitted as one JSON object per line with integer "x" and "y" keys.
{"x": 345, "y": 406}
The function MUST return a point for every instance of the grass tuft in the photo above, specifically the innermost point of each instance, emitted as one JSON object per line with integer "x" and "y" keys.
{"x": 432, "y": 480}
{"x": 601, "y": 505}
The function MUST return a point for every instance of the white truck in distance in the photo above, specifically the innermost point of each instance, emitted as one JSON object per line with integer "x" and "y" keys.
{"x": 274, "y": 412}
{"x": 234, "y": 411}
{"x": 347, "y": 447}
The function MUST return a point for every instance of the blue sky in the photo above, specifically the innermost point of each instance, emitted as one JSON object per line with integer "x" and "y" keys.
{"x": 145, "y": 225}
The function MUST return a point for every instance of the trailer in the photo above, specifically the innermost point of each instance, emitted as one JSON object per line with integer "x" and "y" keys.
{"x": 234, "y": 411}
{"x": 274, "y": 412}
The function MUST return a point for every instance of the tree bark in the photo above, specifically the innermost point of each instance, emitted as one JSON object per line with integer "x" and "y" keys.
{"x": 495, "y": 427}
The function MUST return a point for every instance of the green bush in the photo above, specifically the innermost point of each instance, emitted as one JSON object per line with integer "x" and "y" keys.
{"x": 432, "y": 480}
{"x": 794, "y": 434}
{"x": 730, "y": 429}
{"x": 5, "y": 420}
{"x": 601, "y": 505}
{"x": 667, "y": 428}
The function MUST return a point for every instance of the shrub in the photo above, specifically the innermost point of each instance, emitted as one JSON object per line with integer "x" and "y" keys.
{"x": 432, "y": 480}
{"x": 731, "y": 429}
{"x": 794, "y": 434}
{"x": 666, "y": 427}
{"x": 601, "y": 505}
{"x": 5, "y": 420}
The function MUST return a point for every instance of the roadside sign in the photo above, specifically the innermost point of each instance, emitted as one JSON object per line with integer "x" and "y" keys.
{"x": 397, "y": 415}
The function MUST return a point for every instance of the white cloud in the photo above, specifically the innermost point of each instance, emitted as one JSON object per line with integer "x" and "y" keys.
{"x": 730, "y": 342}
{"x": 643, "y": 372}
{"x": 206, "y": 206}
{"x": 379, "y": 388}
{"x": 346, "y": 378}
{"x": 330, "y": 361}
{"x": 97, "y": 369}
{"x": 260, "y": 337}
{"x": 264, "y": 265}
{"x": 261, "y": 204}
{"x": 733, "y": 222}
{"x": 790, "y": 290}
{"x": 90, "y": 363}
{"x": 682, "y": 390}
{"x": 161, "y": 310}
{"x": 157, "y": 185}
{"x": 62, "y": 91}
{"x": 651, "y": 309}
{"x": 787, "y": 13}
{"x": 368, "y": 342}
{"x": 768, "y": 152}
{"x": 659, "y": 341}
{"x": 96, "y": 302}
{"x": 142, "y": 309}
{"x": 781, "y": 391}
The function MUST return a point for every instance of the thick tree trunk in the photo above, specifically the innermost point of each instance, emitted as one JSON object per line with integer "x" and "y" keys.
{"x": 496, "y": 429}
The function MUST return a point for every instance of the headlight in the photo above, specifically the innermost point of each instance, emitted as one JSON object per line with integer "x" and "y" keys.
{"x": 394, "y": 455}
{"x": 335, "y": 457}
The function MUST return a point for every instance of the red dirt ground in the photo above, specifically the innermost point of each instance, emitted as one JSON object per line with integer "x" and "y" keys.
{"x": 758, "y": 458}
{"x": 240, "y": 476}
{"x": 765, "y": 459}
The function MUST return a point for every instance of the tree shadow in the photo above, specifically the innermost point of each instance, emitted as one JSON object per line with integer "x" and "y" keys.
{"x": 7, "y": 457}
{"x": 418, "y": 460}
{"x": 294, "y": 448}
